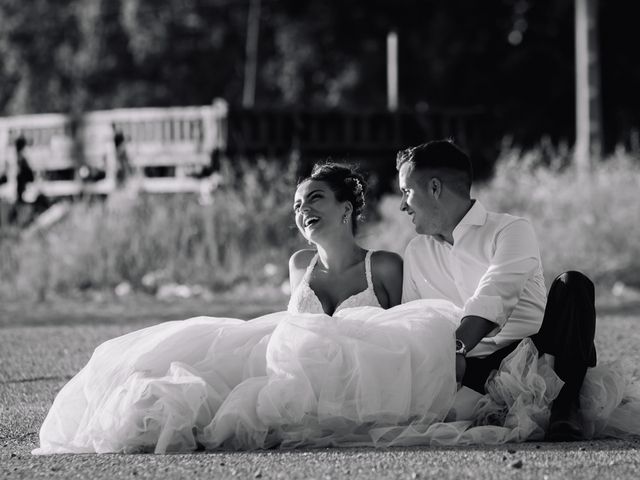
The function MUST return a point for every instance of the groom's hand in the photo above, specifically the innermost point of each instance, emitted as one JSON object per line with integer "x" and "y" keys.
{"x": 472, "y": 329}
{"x": 461, "y": 366}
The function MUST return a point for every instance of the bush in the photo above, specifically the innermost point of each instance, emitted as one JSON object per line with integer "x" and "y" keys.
{"x": 247, "y": 224}
{"x": 588, "y": 224}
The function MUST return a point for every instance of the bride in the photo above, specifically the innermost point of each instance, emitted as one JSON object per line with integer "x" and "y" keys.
{"x": 327, "y": 207}
{"x": 345, "y": 365}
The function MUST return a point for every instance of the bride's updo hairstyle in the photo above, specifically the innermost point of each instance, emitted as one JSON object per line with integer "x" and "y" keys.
{"x": 345, "y": 183}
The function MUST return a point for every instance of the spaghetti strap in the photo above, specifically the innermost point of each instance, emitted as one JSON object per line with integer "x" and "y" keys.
{"x": 367, "y": 268}
{"x": 310, "y": 268}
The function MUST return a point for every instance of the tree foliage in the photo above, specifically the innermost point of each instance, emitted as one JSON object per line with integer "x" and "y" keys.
{"x": 513, "y": 57}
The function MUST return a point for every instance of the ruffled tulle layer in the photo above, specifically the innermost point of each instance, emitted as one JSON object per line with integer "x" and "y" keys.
{"x": 367, "y": 377}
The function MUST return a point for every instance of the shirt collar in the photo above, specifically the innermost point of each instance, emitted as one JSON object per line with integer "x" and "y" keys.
{"x": 477, "y": 215}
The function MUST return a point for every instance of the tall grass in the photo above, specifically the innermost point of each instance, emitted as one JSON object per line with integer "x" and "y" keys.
{"x": 589, "y": 224}
{"x": 228, "y": 240}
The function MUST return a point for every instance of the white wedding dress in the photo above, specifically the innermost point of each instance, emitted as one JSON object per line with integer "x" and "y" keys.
{"x": 364, "y": 376}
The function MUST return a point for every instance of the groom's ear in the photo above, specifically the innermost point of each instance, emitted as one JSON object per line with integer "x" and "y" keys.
{"x": 435, "y": 187}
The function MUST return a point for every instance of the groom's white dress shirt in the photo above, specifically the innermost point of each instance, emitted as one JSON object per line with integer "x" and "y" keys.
{"x": 492, "y": 270}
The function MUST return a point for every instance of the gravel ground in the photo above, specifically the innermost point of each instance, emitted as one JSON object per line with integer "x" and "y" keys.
{"x": 39, "y": 353}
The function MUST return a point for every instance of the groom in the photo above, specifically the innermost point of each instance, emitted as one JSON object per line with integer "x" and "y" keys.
{"x": 489, "y": 264}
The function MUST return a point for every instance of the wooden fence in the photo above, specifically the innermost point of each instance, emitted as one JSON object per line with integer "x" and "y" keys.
{"x": 172, "y": 149}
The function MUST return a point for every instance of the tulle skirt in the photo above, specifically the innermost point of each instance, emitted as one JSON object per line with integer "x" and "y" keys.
{"x": 364, "y": 377}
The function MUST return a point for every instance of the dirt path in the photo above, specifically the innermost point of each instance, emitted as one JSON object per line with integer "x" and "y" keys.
{"x": 35, "y": 361}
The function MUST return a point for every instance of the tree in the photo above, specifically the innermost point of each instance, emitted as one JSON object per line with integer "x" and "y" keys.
{"x": 514, "y": 58}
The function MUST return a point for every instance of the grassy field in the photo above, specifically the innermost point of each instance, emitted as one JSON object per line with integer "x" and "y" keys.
{"x": 43, "y": 346}
{"x": 243, "y": 234}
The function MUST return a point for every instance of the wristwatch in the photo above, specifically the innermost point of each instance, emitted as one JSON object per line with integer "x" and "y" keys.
{"x": 461, "y": 348}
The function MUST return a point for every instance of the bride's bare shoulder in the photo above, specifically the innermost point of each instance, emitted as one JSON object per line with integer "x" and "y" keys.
{"x": 298, "y": 264}
{"x": 300, "y": 260}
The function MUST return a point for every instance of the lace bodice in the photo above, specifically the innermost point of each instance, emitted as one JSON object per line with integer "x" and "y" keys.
{"x": 304, "y": 299}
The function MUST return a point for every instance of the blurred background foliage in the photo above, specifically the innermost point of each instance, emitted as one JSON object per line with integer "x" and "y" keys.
{"x": 512, "y": 58}
{"x": 240, "y": 242}
{"x": 515, "y": 58}
{"x": 240, "y": 237}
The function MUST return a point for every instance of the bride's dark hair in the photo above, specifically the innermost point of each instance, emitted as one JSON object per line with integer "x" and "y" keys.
{"x": 346, "y": 184}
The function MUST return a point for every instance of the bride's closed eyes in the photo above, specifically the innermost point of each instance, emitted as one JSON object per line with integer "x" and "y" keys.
{"x": 313, "y": 196}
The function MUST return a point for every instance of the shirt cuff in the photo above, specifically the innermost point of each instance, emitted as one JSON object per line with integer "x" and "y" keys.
{"x": 487, "y": 307}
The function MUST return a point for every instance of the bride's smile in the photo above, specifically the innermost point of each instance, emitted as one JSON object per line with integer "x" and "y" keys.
{"x": 310, "y": 221}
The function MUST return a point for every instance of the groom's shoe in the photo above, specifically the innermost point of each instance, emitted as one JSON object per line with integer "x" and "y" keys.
{"x": 564, "y": 427}
{"x": 564, "y": 431}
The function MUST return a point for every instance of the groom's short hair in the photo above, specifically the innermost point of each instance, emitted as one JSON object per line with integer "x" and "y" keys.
{"x": 444, "y": 158}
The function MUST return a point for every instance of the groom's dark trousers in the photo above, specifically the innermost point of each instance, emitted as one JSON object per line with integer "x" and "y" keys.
{"x": 567, "y": 332}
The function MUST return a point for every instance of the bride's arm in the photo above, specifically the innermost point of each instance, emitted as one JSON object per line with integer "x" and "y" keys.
{"x": 386, "y": 272}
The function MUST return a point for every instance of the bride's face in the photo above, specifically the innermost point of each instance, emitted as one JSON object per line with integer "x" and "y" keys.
{"x": 318, "y": 213}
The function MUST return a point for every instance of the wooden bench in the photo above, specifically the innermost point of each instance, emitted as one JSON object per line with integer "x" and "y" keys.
{"x": 79, "y": 156}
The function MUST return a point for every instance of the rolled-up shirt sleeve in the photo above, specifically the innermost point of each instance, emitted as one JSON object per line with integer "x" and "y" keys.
{"x": 515, "y": 256}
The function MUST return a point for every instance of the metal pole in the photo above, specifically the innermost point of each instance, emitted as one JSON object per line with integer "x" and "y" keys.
{"x": 588, "y": 112}
{"x": 392, "y": 71}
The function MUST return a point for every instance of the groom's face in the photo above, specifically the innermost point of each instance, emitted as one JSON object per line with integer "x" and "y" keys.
{"x": 418, "y": 201}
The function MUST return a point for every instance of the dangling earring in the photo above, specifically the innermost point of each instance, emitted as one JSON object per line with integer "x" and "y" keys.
{"x": 345, "y": 218}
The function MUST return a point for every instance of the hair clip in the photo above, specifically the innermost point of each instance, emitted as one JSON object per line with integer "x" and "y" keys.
{"x": 358, "y": 189}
